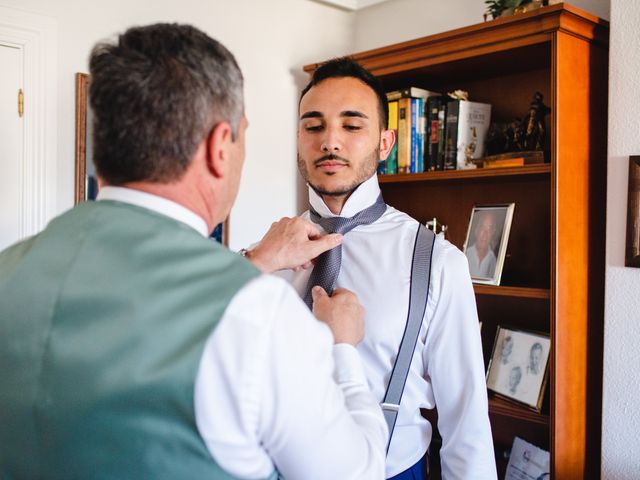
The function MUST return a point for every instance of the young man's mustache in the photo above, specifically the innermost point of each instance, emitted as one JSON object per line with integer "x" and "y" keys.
{"x": 331, "y": 156}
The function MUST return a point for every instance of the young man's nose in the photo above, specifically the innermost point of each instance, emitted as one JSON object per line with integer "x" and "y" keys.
{"x": 331, "y": 143}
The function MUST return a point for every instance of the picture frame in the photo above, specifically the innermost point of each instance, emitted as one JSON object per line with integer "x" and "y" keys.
{"x": 632, "y": 250}
{"x": 86, "y": 182}
{"x": 486, "y": 243}
{"x": 519, "y": 365}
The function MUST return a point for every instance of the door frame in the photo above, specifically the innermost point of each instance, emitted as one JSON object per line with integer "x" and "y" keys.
{"x": 36, "y": 35}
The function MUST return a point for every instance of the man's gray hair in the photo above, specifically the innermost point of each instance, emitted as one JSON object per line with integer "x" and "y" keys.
{"x": 156, "y": 93}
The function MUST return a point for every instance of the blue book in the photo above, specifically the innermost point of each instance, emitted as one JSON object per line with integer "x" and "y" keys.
{"x": 413, "y": 165}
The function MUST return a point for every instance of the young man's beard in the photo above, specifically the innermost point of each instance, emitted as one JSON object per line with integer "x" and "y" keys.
{"x": 367, "y": 170}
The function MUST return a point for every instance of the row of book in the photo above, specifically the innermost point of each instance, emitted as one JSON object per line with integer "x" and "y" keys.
{"x": 434, "y": 132}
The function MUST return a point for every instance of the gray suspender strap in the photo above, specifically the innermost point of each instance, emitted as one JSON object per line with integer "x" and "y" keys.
{"x": 419, "y": 291}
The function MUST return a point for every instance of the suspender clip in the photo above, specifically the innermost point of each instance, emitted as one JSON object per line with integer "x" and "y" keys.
{"x": 390, "y": 406}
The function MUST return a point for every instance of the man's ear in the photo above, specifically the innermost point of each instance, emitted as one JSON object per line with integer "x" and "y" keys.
{"x": 387, "y": 140}
{"x": 217, "y": 149}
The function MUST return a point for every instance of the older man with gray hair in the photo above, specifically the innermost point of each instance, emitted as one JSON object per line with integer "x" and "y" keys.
{"x": 132, "y": 345}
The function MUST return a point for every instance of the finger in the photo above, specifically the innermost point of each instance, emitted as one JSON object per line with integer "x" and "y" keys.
{"x": 306, "y": 265}
{"x": 318, "y": 293}
{"x": 324, "y": 243}
{"x": 311, "y": 230}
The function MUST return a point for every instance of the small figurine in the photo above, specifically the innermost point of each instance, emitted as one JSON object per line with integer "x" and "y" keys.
{"x": 533, "y": 125}
{"x": 459, "y": 95}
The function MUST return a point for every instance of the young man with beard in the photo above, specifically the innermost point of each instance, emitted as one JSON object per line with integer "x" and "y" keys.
{"x": 342, "y": 133}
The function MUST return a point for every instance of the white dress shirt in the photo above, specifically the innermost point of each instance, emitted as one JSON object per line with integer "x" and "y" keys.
{"x": 447, "y": 369}
{"x": 481, "y": 268}
{"x": 272, "y": 391}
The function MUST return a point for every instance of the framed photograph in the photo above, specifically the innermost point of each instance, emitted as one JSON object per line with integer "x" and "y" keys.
{"x": 486, "y": 243}
{"x": 518, "y": 366}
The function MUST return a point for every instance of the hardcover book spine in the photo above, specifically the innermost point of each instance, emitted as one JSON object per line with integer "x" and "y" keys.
{"x": 415, "y": 110}
{"x": 431, "y": 151}
{"x": 451, "y": 135}
{"x": 422, "y": 133}
{"x": 392, "y": 159}
{"x": 404, "y": 135}
{"x": 442, "y": 114}
{"x": 473, "y": 125}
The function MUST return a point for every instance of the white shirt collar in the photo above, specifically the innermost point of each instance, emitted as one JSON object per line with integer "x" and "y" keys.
{"x": 364, "y": 196}
{"x": 157, "y": 204}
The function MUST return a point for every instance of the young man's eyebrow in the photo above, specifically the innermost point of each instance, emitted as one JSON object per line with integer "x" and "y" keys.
{"x": 353, "y": 113}
{"x": 345, "y": 113}
{"x": 311, "y": 114}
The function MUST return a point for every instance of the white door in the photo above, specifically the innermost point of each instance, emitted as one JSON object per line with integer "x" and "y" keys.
{"x": 11, "y": 146}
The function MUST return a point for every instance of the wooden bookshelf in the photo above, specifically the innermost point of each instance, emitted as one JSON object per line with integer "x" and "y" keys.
{"x": 519, "y": 292}
{"x": 498, "y": 406}
{"x": 479, "y": 173}
{"x": 553, "y": 277}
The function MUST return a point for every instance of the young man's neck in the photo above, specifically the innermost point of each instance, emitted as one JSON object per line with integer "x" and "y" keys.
{"x": 335, "y": 203}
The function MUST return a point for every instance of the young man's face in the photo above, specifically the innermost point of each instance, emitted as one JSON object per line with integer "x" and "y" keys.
{"x": 339, "y": 136}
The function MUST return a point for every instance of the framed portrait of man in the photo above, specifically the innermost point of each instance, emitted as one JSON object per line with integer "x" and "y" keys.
{"x": 518, "y": 366}
{"x": 486, "y": 242}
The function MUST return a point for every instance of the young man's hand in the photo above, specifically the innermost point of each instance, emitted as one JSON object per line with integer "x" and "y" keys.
{"x": 342, "y": 312}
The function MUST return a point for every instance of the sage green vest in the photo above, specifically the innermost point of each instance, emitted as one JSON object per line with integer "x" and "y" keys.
{"x": 103, "y": 320}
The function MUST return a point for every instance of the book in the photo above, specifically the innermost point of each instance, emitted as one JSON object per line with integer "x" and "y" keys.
{"x": 404, "y": 135}
{"x": 513, "y": 159}
{"x": 466, "y": 127}
{"x": 504, "y": 162}
{"x": 410, "y": 92}
{"x": 434, "y": 145}
{"x": 422, "y": 133}
{"x": 415, "y": 134}
{"x": 392, "y": 159}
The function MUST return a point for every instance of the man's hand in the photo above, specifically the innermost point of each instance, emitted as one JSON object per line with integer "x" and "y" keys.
{"x": 342, "y": 312}
{"x": 291, "y": 243}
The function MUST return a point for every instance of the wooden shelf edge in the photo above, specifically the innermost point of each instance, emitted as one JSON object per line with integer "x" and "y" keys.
{"x": 522, "y": 292}
{"x": 537, "y": 169}
{"x": 506, "y": 409}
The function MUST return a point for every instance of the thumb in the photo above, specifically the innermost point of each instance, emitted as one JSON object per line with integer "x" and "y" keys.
{"x": 317, "y": 293}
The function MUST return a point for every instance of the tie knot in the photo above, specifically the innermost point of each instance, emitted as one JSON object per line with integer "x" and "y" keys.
{"x": 344, "y": 225}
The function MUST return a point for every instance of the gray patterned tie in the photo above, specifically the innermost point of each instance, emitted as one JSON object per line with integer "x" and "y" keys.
{"x": 325, "y": 272}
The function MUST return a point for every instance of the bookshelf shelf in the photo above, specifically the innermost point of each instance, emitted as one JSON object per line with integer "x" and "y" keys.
{"x": 498, "y": 406}
{"x": 521, "y": 292}
{"x": 543, "y": 169}
{"x": 555, "y": 253}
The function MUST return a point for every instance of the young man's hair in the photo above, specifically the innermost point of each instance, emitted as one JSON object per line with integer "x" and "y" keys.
{"x": 155, "y": 94}
{"x": 346, "y": 67}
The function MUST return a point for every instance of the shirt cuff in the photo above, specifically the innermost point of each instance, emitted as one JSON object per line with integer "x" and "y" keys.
{"x": 348, "y": 365}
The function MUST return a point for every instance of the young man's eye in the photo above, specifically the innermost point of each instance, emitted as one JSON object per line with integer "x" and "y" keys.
{"x": 313, "y": 128}
{"x": 353, "y": 128}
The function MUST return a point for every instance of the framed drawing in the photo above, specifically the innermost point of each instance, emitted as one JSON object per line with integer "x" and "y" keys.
{"x": 486, "y": 242}
{"x": 632, "y": 254}
{"x": 518, "y": 366}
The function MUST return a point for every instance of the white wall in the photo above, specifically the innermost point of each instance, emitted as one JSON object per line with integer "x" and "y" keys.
{"x": 271, "y": 41}
{"x": 621, "y": 415}
{"x": 399, "y": 20}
